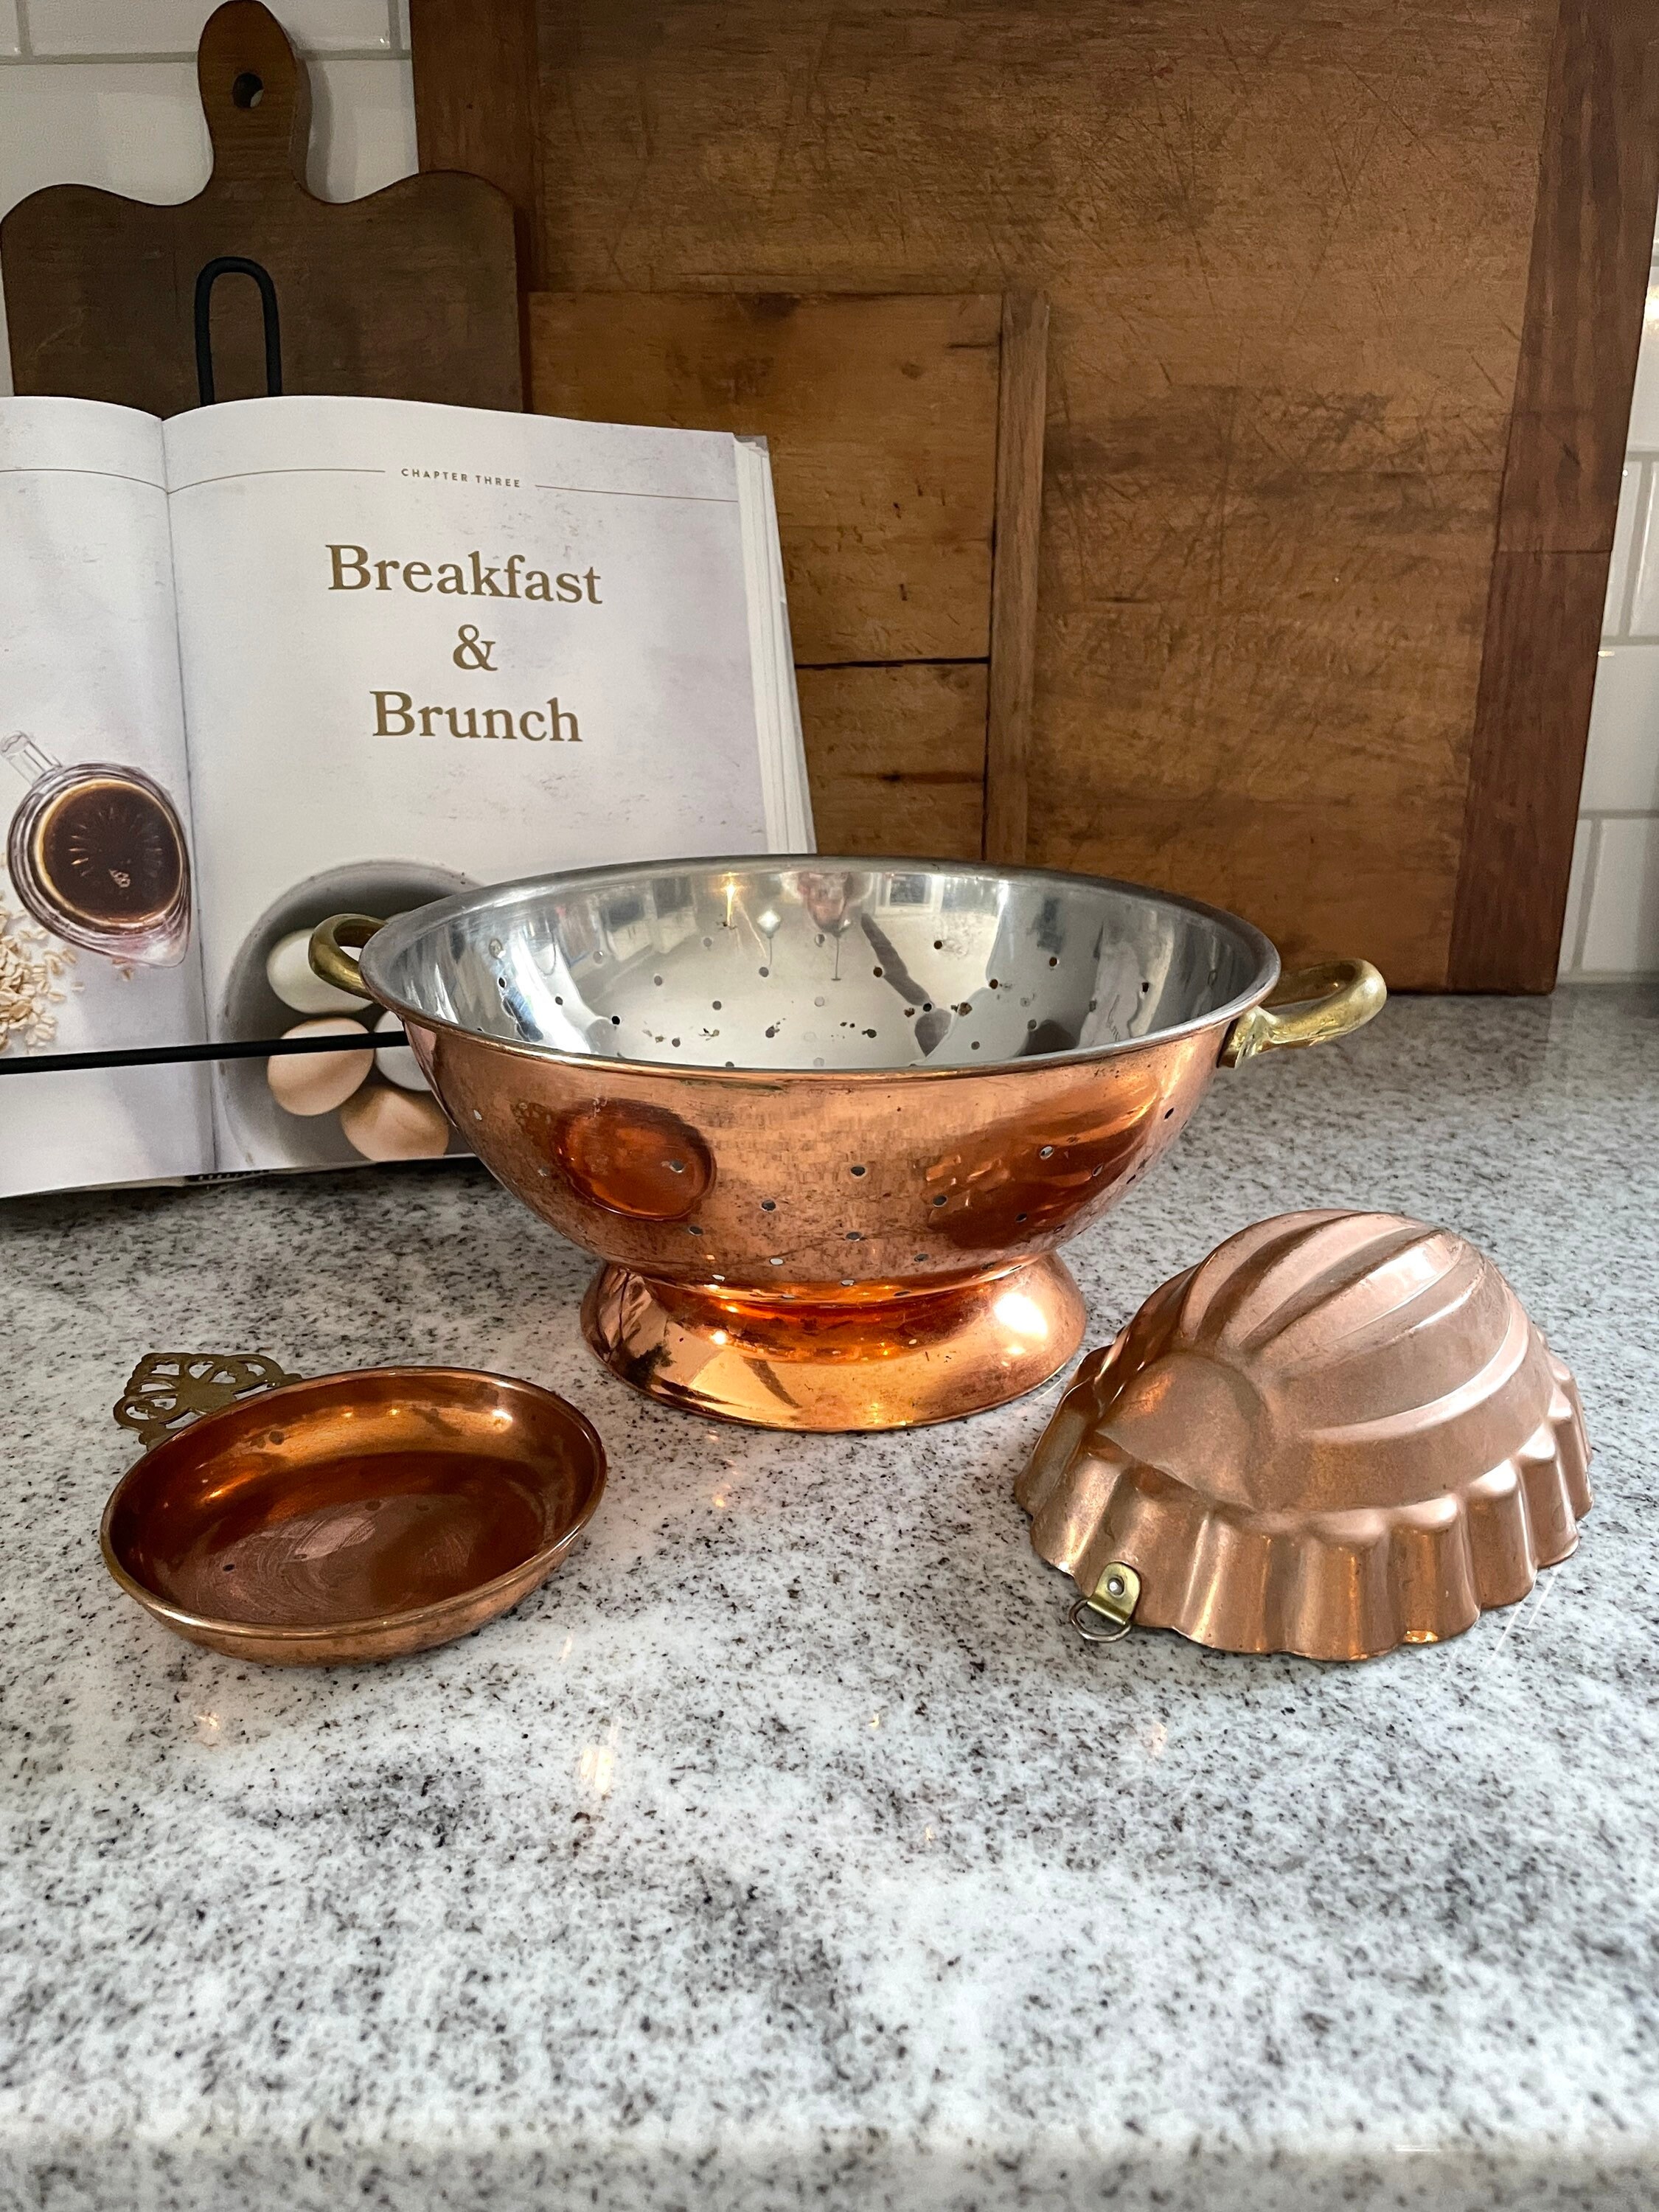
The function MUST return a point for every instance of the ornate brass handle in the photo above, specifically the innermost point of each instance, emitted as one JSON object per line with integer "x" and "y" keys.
{"x": 329, "y": 958}
{"x": 1312, "y": 1006}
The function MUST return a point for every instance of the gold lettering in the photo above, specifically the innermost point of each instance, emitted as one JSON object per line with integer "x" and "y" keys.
{"x": 413, "y": 568}
{"x": 358, "y": 563}
{"x": 383, "y": 727}
{"x": 532, "y": 715}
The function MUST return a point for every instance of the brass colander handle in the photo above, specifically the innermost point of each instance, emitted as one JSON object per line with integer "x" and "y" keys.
{"x": 1310, "y": 1006}
{"x": 332, "y": 961}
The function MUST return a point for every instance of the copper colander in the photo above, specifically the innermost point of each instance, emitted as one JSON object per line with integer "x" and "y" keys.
{"x": 826, "y": 1121}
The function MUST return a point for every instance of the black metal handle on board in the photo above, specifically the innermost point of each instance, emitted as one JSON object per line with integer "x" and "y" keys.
{"x": 236, "y": 265}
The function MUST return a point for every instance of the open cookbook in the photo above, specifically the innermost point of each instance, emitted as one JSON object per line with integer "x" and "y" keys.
{"x": 281, "y": 659}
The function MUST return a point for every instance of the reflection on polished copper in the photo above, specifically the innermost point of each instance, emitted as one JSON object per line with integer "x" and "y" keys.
{"x": 878, "y": 1356}
{"x": 1340, "y": 1432}
{"x": 826, "y": 1121}
{"x": 354, "y": 1516}
{"x": 624, "y": 1156}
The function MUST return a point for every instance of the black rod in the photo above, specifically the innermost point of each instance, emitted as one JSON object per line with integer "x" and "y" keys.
{"x": 162, "y": 1054}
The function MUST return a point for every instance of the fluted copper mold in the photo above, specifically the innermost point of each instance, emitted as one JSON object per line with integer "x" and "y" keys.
{"x": 825, "y": 1121}
{"x": 1338, "y": 1433}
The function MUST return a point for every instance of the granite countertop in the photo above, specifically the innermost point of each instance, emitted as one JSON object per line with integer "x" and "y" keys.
{"x": 787, "y": 1849}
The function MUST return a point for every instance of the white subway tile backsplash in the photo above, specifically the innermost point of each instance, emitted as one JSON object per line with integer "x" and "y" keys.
{"x": 1621, "y": 932}
{"x": 363, "y": 126}
{"x": 1642, "y": 606}
{"x": 1621, "y": 764}
{"x": 133, "y": 127}
{"x": 1643, "y": 432}
{"x": 173, "y": 26}
{"x": 1632, "y": 500}
{"x": 136, "y": 128}
{"x": 1572, "y": 922}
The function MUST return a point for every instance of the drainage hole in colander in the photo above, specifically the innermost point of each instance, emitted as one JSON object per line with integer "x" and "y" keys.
{"x": 768, "y": 1206}
{"x": 858, "y": 1171}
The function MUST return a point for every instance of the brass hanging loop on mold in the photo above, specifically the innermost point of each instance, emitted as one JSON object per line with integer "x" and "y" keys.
{"x": 1112, "y": 1601}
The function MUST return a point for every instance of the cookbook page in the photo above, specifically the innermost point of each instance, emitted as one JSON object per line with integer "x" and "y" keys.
{"x": 428, "y": 647}
{"x": 97, "y": 952}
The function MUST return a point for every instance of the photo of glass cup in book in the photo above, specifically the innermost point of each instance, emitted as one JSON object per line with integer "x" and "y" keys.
{"x": 286, "y": 657}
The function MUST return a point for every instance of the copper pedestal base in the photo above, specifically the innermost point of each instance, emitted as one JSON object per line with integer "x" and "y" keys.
{"x": 863, "y": 1358}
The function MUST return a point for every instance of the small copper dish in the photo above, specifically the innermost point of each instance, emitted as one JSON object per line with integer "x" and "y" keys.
{"x": 1337, "y": 1434}
{"x": 350, "y": 1518}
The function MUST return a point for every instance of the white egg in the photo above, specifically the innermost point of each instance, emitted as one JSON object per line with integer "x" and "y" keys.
{"x": 317, "y": 1082}
{"x": 290, "y": 974}
{"x": 396, "y": 1061}
{"x": 384, "y": 1124}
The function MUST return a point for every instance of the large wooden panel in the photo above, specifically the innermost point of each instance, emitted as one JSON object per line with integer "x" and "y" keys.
{"x": 896, "y": 757}
{"x": 882, "y": 419}
{"x": 1287, "y": 252}
{"x": 1600, "y": 173}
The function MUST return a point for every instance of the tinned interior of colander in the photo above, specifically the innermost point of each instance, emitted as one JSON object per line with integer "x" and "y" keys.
{"x": 827, "y": 964}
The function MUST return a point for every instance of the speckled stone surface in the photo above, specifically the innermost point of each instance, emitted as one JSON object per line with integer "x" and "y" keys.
{"x": 787, "y": 1849}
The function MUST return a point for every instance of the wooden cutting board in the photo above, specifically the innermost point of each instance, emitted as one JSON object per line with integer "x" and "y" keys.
{"x": 906, "y": 440}
{"x": 408, "y": 294}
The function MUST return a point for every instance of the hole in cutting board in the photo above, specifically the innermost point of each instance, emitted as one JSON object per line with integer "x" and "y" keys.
{"x": 248, "y": 90}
